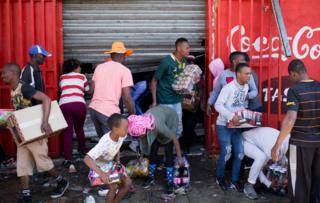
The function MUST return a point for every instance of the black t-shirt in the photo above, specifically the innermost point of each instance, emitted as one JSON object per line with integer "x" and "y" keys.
{"x": 21, "y": 96}
{"x": 31, "y": 75}
{"x": 304, "y": 98}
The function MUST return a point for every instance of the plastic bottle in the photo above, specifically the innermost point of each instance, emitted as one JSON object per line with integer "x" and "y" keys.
{"x": 90, "y": 199}
{"x": 176, "y": 178}
{"x": 185, "y": 176}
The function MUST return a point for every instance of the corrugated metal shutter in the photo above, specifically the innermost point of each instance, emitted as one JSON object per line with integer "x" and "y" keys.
{"x": 149, "y": 27}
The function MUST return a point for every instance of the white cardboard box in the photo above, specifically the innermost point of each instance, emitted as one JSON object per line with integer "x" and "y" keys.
{"x": 25, "y": 124}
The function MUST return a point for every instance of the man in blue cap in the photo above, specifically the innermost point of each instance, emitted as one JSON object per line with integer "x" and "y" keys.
{"x": 31, "y": 73}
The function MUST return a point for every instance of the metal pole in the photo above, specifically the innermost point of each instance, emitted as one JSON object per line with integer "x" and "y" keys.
{"x": 281, "y": 27}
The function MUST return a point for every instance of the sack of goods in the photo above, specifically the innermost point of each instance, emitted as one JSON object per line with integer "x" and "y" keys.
{"x": 187, "y": 79}
{"x": 248, "y": 119}
{"x": 181, "y": 179}
{"x": 138, "y": 167}
{"x": 4, "y": 114}
{"x": 112, "y": 169}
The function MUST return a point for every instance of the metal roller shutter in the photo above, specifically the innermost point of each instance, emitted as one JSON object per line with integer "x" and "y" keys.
{"x": 149, "y": 27}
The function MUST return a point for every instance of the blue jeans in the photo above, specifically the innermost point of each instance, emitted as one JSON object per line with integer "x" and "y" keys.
{"x": 230, "y": 139}
{"x": 178, "y": 108}
{"x": 137, "y": 91}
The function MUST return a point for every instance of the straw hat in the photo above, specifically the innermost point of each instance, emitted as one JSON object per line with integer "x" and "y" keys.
{"x": 118, "y": 47}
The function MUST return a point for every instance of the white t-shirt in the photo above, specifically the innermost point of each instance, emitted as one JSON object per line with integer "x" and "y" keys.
{"x": 106, "y": 149}
{"x": 265, "y": 138}
{"x": 231, "y": 99}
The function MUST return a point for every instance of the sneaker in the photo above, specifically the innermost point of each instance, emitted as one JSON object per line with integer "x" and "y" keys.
{"x": 60, "y": 189}
{"x": 170, "y": 189}
{"x": 103, "y": 192}
{"x": 237, "y": 186}
{"x": 148, "y": 183}
{"x": 222, "y": 183}
{"x": 66, "y": 163}
{"x": 72, "y": 169}
{"x": 249, "y": 191}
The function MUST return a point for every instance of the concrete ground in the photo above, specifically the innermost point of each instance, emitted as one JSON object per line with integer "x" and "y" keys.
{"x": 203, "y": 186}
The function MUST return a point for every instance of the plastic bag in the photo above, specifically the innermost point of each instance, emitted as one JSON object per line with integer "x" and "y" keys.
{"x": 4, "y": 114}
{"x": 138, "y": 167}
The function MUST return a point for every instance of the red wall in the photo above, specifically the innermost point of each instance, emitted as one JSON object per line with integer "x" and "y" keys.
{"x": 22, "y": 24}
{"x": 250, "y": 26}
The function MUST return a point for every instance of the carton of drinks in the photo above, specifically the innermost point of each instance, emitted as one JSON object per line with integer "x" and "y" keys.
{"x": 248, "y": 119}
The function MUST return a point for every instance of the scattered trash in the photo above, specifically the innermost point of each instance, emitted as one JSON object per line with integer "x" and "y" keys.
{"x": 181, "y": 191}
{"x": 72, "y": 169}
{"x": 46, "y": 184}
{"x": 76, "y": 188}
{"x": 79, "y": 160}
{"x": 90, "y": 199}
{"x": 86, "y": 190}
{"x": 168, "y": 198}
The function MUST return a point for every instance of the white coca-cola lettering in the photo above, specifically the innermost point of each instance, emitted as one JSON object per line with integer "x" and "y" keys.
{"x": 261, "y": 45}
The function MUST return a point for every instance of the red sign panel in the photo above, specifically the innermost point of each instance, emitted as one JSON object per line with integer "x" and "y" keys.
{"x": 250, "y": 26}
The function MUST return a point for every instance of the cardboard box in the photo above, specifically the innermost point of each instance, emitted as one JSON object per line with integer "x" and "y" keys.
{"x": 25, "y": 124}
{"x": 249, "y": 119}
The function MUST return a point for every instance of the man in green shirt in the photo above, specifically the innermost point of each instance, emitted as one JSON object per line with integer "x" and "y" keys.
{"x": 155, "y": 128}
{"x": 169, "y": 69}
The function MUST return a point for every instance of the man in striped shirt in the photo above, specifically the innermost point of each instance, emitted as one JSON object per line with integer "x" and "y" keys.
{"x": 303, "y": 121}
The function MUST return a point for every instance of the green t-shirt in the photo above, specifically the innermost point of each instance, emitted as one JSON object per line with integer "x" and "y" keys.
{"x": 167, "y": 72}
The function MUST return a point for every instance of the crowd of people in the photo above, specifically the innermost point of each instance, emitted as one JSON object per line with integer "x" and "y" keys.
{"x": 161, "y": 125}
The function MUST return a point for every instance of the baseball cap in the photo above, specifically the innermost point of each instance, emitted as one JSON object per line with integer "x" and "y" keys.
{"x": 37, "y": 49}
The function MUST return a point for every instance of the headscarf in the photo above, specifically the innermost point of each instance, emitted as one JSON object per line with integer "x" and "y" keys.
{"x": 216, "y": 67}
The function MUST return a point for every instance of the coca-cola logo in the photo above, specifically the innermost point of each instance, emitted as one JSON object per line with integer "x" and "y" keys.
{"x": 274, "y": 94}
{"x": 302, "y": 44}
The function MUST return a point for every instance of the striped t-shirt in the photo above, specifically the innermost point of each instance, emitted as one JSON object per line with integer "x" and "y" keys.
{"x": 72, "y": 87}
{"x": 304, "y": 98}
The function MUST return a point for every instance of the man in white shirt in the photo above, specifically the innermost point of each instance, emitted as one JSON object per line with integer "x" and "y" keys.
{"x": 258, "y": 143}
{"x": 232, "y": 98}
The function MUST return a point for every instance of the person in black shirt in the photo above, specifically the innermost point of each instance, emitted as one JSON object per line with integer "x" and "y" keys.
{"x": 302, "y": 120}
{"x": 31, "y": 73}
